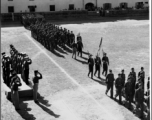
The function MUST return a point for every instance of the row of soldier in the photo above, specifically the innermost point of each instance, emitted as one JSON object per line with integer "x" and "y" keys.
{"x": 131, "y": 89}
{"x": 17, "y": 61}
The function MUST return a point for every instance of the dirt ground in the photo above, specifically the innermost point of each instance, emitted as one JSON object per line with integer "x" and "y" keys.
{"x": 66, "y": 93}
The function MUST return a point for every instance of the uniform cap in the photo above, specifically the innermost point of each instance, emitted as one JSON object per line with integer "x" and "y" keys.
{"x": 3, "y": 53}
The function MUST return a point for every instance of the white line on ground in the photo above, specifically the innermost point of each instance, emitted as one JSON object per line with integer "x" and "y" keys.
{"x": 108, "y": 115}
{"x": 34, "y": 57}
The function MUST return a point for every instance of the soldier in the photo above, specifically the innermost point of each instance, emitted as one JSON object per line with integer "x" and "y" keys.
{"x": 110, "y": 80}
{"x": 141, "y": 74}
{"x": 91, "y": 64}
{"x": 15, "y": 83}
{"x": 97, "y": 65}
{"x": 123, "y": 78}
{"x": 74, "y": 46}
{"x": 128, "y": 91}
{"x": 7, "y": 70}
{"x": 139, "y": 98}
{"x": 118, "y": 85}
{"x": 79, "y": 46}
{"x": 3, "y": 66}
{"x": 105, "y": 61}
{"x": 27, "y": 62}
{"x": 37, "y": 76}
{"x": 133, "y": 80}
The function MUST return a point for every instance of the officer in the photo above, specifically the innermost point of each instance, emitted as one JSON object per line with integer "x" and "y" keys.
{"x": 37, "y": 76}
{"x": 91, "y": 64}
{"x": 74, "y": 47}
{"x": 141, "y": 74}
{"x": 105, "y": 61}
{"x": 15, "y": 83}
{"x": 118, "y": 85}
{"x": 27, "y": 62}
{"x": 110, "y": 80}
{"x": 139, "y": 99}
{"x": 97, "y": 65}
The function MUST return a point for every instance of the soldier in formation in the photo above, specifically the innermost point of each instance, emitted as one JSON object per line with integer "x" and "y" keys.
{"x": 105, "y": 61}
{"x": 110, "y": 82}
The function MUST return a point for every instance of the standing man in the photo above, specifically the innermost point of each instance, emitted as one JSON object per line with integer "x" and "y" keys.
{"x": 110, "y": 80}
{"x": 15, "y": 83}
{"x": 37, "y": 76}
{"x": 118, "y": 85}
{"x": 141, "y": 74}
{"x": 91, "y": 64}
{"x": 27, "y": 62}
{"x": 97, "y": 65}
{"x": 105, "y": 61}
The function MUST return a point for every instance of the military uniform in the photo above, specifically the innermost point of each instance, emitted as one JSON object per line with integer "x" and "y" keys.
{"x": 36, "y": 82}
{"x": 119, "y": 86}
{"x": 91, "y": 65}
{"x": 97, "y": 65}
{"x": 105, "y": 61}
{"x": 110, "y": 81}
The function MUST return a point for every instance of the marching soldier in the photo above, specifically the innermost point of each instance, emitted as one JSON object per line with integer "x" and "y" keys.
{"x": 118, "y": 85}
{"x": 74, "y": 46}
{"x": 123, "y": 78}
{"x": 3, "y": 66}
{"x": 128, "y": 90}
{"x": 37, "y": 76}
{"x": 110, "y": 80}
{"x": 105, "y": 61}
{"x": 79, "y": 46}
{"x": 133, "y": 81}
{"x": 97, "y": 65}
{"x": 139, "y": 98}
{"x": 91, "y": 64}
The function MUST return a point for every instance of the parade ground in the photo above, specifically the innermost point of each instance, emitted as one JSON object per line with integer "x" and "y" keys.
{"x": 66, "y": 92}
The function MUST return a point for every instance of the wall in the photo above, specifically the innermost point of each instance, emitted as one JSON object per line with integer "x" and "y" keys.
{"x": 44, "y": 5}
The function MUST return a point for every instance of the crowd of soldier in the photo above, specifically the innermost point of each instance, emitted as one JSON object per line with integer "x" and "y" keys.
{"x": 51, "y": 35}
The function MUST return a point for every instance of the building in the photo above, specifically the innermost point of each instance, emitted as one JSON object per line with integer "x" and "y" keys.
{"x": 17, "y": 6}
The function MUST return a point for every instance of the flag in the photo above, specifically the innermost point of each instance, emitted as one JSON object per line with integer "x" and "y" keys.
{"x": 100, "y": 44}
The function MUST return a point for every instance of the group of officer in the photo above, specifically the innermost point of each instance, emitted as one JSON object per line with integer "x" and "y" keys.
{"x": 132, "y": 89}
{"x": 17, "y": 63}
{"x": 98, "y": 63}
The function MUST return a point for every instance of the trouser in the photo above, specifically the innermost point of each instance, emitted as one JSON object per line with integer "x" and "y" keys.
{"x": 8, "y": 77}
{"x": 74, "y": 52}
{"x": 110, "y": 87}
{"x": 140, "y": 105}
{"x": 35, "y": 89}
{"x": 105, "y": 69}
{"x": 97, "y": 68}
{"x": 26, "y": 74}
{"x": 90, "y": 71}
{"x": 15, "y": 99}
{"x": 118, "y": 93}
{"x": 129, "y": 98}
{"x": 80, "y": 52}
